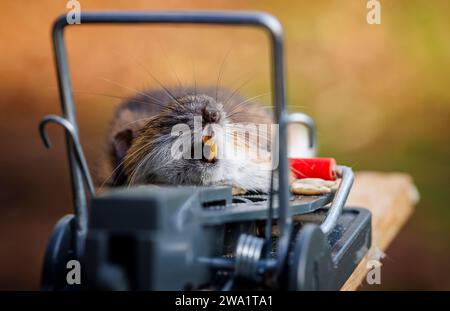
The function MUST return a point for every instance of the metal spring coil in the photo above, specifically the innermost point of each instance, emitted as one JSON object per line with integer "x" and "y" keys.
{"x": 248, "y": 253}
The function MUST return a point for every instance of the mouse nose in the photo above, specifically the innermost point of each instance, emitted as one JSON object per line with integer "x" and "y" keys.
{"x": 211, "y": 114}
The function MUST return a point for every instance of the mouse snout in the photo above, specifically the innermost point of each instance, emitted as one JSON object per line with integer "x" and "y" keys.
{"x": 211, "y": 114}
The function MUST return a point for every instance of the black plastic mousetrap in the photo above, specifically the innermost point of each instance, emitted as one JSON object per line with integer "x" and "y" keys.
{"x": 192, "y": 238}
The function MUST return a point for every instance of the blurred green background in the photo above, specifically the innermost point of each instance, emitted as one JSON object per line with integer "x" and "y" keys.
{"x": 379, "y": 95}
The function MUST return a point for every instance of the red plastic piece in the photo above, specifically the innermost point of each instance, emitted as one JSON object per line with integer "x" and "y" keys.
{"x": 313, "y": 168}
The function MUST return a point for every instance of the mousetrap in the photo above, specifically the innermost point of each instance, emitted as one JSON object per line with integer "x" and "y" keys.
{"x": 202, "y": 238}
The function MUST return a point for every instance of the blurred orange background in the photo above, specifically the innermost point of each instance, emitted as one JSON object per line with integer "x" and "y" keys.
{"x": 379, "y": 95}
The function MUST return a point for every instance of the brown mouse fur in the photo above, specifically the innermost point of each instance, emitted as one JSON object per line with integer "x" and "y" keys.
{"x": 138, "y": 140}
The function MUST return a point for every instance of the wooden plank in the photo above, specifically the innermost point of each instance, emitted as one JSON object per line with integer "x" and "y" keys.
{"x": 390, "y": 197}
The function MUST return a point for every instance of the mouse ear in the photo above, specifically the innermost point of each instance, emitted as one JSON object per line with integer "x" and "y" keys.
{"x": 121, "y": 143}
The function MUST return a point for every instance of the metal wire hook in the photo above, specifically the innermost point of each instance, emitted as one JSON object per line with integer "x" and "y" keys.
{"x": 79, "y": 155}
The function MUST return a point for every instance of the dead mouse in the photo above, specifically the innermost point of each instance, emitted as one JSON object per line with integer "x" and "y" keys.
{"x": 144, "y": 144}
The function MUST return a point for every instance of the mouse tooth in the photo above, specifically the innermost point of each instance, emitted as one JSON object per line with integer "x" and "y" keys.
{"x": 206, "y": 138}
{"x": 210, "y": 149}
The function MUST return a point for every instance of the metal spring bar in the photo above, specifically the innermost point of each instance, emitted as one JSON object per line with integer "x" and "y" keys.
{"x": 262, "y": 20}
{"x": 308, "y": 122}
{"x": 81, "y": 212}
{"x": 347, "y": 176}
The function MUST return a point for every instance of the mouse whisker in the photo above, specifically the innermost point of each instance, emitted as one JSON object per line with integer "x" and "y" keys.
{"x": 221, "y": 67}
{"x": 169, "y": 64}
{"x": 139, "y": 120}
{"x": 131, "y": 158}
{"x": 288, "y": 106}
{"x": 148, "y": 72}
{"x": 137, "y": 169}
{"x": 166, "y": 89}
{"x": 159, "y": 104}
{"x": 238, "y": 89}
{"x": 136, "y": 154}
{"x": 132, "y": 177}
{"x": 131, "y": 89}
{"x": 194, "y": 76}
{"x": 245, "y": 141}
{"x": 235, "y": 112}
{"x": 171, "y": 95}
{"x": 237, "y": 115}
{"x": 247, "y": 101}
{"x": 111, "y": 175}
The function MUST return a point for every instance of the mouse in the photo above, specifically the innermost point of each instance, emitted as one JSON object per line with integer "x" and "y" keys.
{"x": 202, "y": 136}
